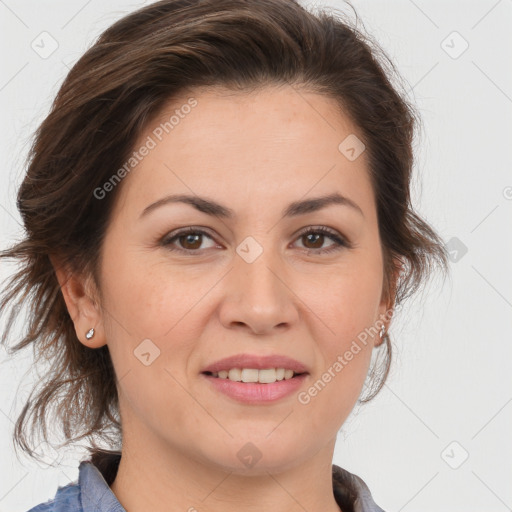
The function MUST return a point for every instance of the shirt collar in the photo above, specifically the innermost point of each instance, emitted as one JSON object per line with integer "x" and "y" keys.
{"x": 96, "y": 494}
{"x": 341, "y": 478}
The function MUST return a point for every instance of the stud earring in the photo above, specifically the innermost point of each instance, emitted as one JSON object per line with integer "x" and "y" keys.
{"x": 382, "y": 330}
{"x": 90, "y": 333}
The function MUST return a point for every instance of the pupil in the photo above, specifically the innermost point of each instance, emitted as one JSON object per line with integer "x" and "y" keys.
{"x": 190, "y": 239}
{"x": 317, "y": 235}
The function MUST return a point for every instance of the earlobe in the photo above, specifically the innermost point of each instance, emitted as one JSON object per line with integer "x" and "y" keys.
{"x": 387, "y": 305}
{"x": 80, "y": 305}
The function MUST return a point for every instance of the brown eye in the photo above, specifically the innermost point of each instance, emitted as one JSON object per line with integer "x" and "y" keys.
{"x": 314, "y": 238}
{"x": 187, "y": 240}
{"x": 190, "y": 241}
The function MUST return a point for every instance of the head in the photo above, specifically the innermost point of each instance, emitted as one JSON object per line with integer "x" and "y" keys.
{"x": 262, "y": 108}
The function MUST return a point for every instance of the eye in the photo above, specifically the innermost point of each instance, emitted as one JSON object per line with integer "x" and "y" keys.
{"x": 316, "y": 236}
{"x": 190, "y": 240}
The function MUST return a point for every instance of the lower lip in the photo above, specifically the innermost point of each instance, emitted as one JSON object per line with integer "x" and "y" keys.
{"x": 255, "y": 393}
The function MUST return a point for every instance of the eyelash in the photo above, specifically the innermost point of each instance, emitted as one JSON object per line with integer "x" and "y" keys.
{"x": 340, "y": 242}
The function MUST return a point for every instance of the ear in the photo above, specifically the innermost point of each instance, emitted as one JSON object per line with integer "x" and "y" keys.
{"x": 81, "y": 304}
{"x": 387, "y": 303}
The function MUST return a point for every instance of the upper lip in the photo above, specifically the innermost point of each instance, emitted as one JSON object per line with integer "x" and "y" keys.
{"x": 256, "y": 362}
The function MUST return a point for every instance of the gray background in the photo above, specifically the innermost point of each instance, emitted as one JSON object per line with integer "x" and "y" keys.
{"x": 438, "y": 435}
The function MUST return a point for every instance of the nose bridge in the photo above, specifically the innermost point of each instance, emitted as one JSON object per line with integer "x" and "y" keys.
{"x": 258, "y": 265}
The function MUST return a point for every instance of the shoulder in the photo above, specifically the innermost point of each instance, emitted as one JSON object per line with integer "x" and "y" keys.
{"x": 66, "y": 499}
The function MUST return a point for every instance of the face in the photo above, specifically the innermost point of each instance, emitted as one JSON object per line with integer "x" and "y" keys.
{"x": 261, "y": 281}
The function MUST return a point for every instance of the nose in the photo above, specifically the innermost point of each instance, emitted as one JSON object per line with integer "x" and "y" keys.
{"x": 258, "y": 296}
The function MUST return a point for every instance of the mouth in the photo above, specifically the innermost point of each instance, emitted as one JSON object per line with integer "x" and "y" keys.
{"x": 255, "y": 376}
{"x": 256, "y": 379}
{"x": 252, "y": 386}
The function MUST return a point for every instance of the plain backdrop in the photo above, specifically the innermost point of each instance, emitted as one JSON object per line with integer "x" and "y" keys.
{"x": 437, "y": 437}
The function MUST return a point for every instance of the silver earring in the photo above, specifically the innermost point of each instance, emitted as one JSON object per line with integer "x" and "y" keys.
{"x": 382, "y": 330}
{"x": 90, "y": 333}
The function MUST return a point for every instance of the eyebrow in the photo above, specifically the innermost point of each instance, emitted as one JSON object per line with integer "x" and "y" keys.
{"x": 215, "y": 209}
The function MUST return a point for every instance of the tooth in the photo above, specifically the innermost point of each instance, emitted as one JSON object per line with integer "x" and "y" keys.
{"x": 235, "y": 374}
{"x": 249, "y": 375}
{"x": 267, "y": 376}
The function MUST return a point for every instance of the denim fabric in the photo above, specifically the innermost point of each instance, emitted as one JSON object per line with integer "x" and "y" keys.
{"x": 91, "y": 493}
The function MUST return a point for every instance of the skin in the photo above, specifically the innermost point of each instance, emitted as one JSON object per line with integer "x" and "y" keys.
{"x": 254, "y": 153}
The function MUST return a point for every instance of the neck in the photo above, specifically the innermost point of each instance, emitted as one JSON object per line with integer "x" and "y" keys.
{"x": 159, "y": 478}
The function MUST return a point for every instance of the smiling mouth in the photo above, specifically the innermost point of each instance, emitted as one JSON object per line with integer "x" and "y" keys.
{"x": 254, "y": 376}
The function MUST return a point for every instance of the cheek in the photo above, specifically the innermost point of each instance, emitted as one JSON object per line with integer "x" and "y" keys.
{"x": 348, "y": 311}
{"x": 144, "y": 298}
{"x": 149, "y": 334}
{"x": 345, "y": 357}
{"x": 152, "y": 309}
{"x": 331, "y": 395}
{"x": 349, "y": 301}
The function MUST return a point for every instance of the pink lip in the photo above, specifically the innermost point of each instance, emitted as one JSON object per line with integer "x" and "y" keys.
{"x": 256, "y": 362}
{"x": 255, "y": 393}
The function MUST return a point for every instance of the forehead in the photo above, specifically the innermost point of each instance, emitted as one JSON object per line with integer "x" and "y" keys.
{"x": 273, "y": 142}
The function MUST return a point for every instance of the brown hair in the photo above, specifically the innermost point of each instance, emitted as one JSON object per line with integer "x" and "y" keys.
{"x": 108, "y": 98}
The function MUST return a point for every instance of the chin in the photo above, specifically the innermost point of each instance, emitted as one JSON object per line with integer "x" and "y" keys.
{"x": 258, "y": 457}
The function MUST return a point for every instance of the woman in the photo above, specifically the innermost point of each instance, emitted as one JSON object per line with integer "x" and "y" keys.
{"x": 219, "y": 229}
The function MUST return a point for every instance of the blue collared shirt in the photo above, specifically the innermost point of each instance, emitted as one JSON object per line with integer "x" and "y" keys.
{"x": 91, "y": 493}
